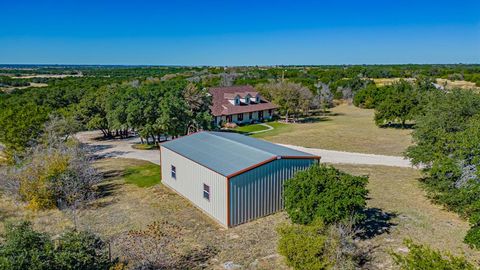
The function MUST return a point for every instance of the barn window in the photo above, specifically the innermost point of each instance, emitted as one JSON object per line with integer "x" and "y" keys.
{"x": 206, "y": 192}
{"x": 174, "y": 172}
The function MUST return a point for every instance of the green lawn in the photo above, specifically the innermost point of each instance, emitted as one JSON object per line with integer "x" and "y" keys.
{"x": 145, "y": 175}
{"x": 250, "y": 128}
{"x": 278, "y": 128}
{"x": 145, "y": 146}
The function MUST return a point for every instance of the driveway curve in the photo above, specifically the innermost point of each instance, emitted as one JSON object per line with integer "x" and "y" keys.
{"x": 341, "y": 157}
{"x": 122, "y": 148}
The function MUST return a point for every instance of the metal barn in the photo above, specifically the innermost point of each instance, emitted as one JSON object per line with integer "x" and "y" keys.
{"x": 231, "y": 177}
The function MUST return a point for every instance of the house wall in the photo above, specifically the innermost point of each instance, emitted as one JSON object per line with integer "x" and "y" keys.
{"x": 258, "y": 192}
{"x": 190, "y": 177}
{"x": 246, "y": 119}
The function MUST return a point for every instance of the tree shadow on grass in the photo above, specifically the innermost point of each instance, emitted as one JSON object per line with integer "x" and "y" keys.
{"x": 398, "y": 126}
{"x": 377, "y": 222}
{"x": 314, "y": 119}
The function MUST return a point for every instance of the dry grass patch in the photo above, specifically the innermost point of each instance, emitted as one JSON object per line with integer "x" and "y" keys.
{"x": 346, "y": 128}
{"x": 124, "y": 207}
{"x": 397, "y": 193}
{"x": 389, "y": 81}
{"x": 458, "y": 84}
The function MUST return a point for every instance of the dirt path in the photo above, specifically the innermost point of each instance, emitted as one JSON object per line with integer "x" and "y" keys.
{"x": 340, "y": 157}
{"x": 123, "y": 149}
{"x": 261, "y": 131}
{"x": 117, "y": 148}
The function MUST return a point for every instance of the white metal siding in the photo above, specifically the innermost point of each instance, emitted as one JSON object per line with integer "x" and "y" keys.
{"x": 258, "y": 192}
{"x": 190, "y": 177}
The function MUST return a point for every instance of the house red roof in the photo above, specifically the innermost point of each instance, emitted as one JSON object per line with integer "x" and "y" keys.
{"x": 221, "y": 105}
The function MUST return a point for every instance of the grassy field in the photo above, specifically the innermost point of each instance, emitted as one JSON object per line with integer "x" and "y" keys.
{"x": 124, "y": 207}
{"x": 345, "y": 128}
{"x": 405, "y": 212}
{"x": 399, "y": 205}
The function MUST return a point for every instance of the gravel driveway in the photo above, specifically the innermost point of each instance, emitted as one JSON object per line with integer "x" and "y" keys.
{"x": 117, "y": 148}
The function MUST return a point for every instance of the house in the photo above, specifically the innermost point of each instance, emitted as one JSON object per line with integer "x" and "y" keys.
{"x": 231, "y": 177}
{"x": 240, "y": 105}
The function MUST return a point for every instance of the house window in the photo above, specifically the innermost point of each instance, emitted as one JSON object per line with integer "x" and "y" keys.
{"x": 206, "y": 192}
{"x": 229, "y": 118}
{"x": 257, "y": 99}
{"x": 260, "y": 114}
{"x": 270, "y": 112}
{"x": 240, "y": 117}
{"x": 174, "y": 172}
{"x": 250, "y": 115}
{"x": 237, "y": 101}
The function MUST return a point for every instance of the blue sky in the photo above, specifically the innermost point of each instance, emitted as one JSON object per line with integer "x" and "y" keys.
{"x": 239, "y": 32}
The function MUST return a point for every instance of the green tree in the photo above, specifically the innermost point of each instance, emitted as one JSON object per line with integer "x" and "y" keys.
{"x": 326, "y": 193}
{"x": 399, "y": 106}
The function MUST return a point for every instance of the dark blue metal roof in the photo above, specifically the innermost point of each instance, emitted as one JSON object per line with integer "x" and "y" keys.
{"x": 228, "y": 153}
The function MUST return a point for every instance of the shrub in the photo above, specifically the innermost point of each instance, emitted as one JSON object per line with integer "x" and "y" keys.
{"x": 303, "y": 245}
{"x": 423, "y": 257}
{"x": 327, "y": 193}
{"x": 319, "y": 246}
{"x": 473, "y": 237}
{"x": 25, "y": 248}
{"x": 81, "y": 250}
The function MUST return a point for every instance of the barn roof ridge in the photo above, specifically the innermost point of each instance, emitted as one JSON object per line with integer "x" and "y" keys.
{"x": 228, "y": 153}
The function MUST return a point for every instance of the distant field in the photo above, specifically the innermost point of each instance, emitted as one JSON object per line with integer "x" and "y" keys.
{"x": 457, "y": 84}
{"x": 345, "y": 128}
{"x": 444, "y": 82}
{"x": 6, "y": 89}
{"x": 388, "y": 81}
{"x": 46, "y": 76}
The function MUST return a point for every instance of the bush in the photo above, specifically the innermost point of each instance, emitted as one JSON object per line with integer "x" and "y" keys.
{"x": 317, "y": 246}
{"x": 303, "y": 246}
{"x": 473, "y": 237}
{"x": 81, "y": 250}
{"x": 25, "y": 248}
{"x": 326, "y": 193}
{"x": 423, "y": 257}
